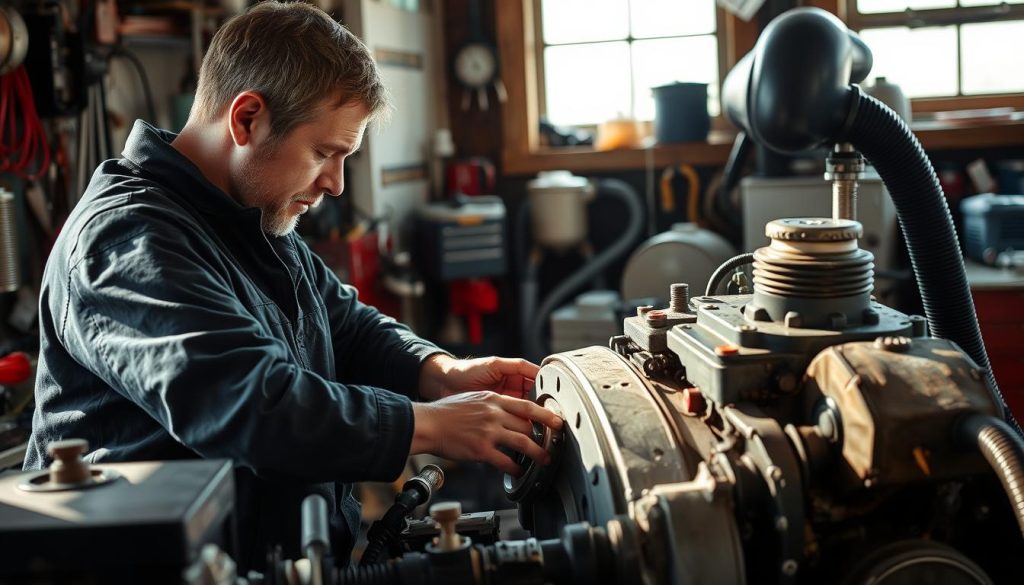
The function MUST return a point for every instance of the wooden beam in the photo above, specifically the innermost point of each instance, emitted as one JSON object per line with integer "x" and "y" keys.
{"x": 516, "y": 48}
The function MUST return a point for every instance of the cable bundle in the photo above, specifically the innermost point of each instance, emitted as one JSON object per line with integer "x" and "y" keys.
{"x": 19, "y": 152}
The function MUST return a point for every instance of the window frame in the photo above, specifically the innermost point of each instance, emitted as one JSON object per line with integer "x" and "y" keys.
{"x": 939, "y": 17}
{"x": 522, "y": 154}
{"x": 520, "y": 46}
{"x": 538, "y": 35}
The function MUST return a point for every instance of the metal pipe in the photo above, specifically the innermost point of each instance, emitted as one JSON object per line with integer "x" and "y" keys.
{"x": 844, "y": 167}
{"x": 10, "y": 274}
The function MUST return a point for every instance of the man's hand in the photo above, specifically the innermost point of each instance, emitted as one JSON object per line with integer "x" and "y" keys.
{"x": 442, "y": 375}
{"x": 470, "y": 426}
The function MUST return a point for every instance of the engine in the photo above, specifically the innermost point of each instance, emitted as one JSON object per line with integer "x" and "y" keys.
{"x": 802, "y": 433}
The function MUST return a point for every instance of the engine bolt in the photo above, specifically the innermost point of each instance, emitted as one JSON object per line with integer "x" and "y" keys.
{"x": 446, "y": 514}
{"x": 894, "y": 343}
{"x": 789, "y": 567}
{"x": 781, "y": 523}
{"x": 680, "y": 297}
{"x": 656, "y": 318}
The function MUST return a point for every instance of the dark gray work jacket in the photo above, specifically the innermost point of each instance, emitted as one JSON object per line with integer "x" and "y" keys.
{"x": 172, "y": 327}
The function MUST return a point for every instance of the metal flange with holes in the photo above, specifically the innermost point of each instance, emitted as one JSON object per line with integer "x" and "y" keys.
{"x": 617, "y": 443}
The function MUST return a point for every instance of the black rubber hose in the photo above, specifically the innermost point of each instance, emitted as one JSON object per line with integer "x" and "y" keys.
{"x": 417, "y": 490}
{"x": 534, "y": 342}
{"x": 379, "y": 574}
{"x": 728, "y": 266}
{"x": 140, "y": 70}
{"x": 886, "y": 141}
{"x": 1003, "y": 448}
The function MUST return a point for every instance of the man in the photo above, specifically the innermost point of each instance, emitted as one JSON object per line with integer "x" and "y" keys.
{"x": 182, "y": 317}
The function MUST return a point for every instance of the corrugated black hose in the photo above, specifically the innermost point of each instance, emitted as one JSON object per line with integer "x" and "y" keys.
{"x": 383, "y": 533}
{"x": 725, "y": 269}
{"x": 886, "y": 141}
{"x": 1003, "y": 448}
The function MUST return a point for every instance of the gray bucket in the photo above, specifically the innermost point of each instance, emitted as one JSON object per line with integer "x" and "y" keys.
{"x": 681, "y": 112}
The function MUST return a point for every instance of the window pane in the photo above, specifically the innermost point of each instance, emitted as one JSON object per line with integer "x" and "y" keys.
{"x": 992, "y": 57}
{"x": 577, "y": 21}
{"x": 664, "y": 61}
{"x": 587, "y": 84}
{"x": 988, "y": 2}
{"x": 665, "y": 18}
{"x": 923, "y": 61}
{"x": 875, "y": 6}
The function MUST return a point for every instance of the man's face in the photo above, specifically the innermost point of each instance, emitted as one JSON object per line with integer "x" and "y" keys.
{"x": 287, "y": 178}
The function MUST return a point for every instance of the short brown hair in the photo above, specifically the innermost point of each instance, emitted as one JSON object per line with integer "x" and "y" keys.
{"x": 294, "y": 55}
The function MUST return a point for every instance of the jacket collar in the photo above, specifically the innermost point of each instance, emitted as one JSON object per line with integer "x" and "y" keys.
{"x": 149, "y": 149}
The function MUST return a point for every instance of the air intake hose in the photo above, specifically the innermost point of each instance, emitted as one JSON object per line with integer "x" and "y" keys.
{"x": 886, "y": 141}
{"x": 1004, "y": 451}
{"x": 535, "y": 346}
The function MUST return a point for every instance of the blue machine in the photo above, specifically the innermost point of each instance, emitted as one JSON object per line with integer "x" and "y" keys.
{"x": 994, "y": 228}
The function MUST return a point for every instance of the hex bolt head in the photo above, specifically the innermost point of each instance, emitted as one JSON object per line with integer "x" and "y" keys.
{"x": 870, "y": 317}
{"x": 794, "y": 320}
{"x": 918, "y": 326}
{"x": 837, "y": 321}
{"x": 756, "y": 313}
{"x": 786, "y": 381}
{"x": 656, "y": 318}
{"x": 790, "y": 567}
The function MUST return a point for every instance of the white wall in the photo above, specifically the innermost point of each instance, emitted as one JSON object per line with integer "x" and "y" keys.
{"x": 404, "y": 141}
{"x": 165, "y": 61}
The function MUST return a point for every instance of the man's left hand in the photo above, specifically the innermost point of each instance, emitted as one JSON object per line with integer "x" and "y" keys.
{"x": 443, "y": 375}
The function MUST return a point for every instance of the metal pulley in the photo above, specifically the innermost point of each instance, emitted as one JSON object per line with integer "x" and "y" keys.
{"x": 13, "y": 39}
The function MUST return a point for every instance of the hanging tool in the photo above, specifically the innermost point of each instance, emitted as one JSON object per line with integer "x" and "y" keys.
{"x": 668, "y": 197}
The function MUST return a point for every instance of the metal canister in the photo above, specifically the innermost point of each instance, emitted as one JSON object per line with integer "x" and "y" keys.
{"x": 558, "y": 209}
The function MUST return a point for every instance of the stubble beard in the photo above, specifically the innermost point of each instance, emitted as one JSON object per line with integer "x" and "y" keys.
{"x": 250, "y": 191}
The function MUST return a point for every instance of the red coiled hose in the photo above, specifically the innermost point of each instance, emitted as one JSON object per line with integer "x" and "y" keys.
{"x": 27, "y": 154}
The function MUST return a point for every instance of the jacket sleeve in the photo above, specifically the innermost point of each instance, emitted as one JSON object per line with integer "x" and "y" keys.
{"x": 370, "y": 347}
{"x": 156, "y": 319}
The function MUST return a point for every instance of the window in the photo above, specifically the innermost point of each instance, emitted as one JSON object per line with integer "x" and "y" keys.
{"x": 600, "y": 58}
{"x": 945, "y": 48}
{"x": 525, "y": 61}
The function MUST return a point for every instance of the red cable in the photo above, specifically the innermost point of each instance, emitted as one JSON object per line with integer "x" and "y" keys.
{"x": 19, "y": 153}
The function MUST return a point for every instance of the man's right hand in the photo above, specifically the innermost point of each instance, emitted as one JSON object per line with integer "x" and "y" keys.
{"x": 470, "y": 426}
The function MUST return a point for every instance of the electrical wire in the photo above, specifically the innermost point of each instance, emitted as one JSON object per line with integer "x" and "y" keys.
{"x": 25, "y": 154}
{"x": 728, "y": 266}
{"x": 123, "y": 53}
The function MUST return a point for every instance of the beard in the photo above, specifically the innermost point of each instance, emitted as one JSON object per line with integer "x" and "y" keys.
{"x": 276, "y": 221}
{"x": 249, "y": 190}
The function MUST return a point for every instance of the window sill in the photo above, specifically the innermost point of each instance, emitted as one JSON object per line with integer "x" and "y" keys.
{"x": 714, "y": 152}
{"x": 949, "y": 136}
{"x": 934, "y": 136}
